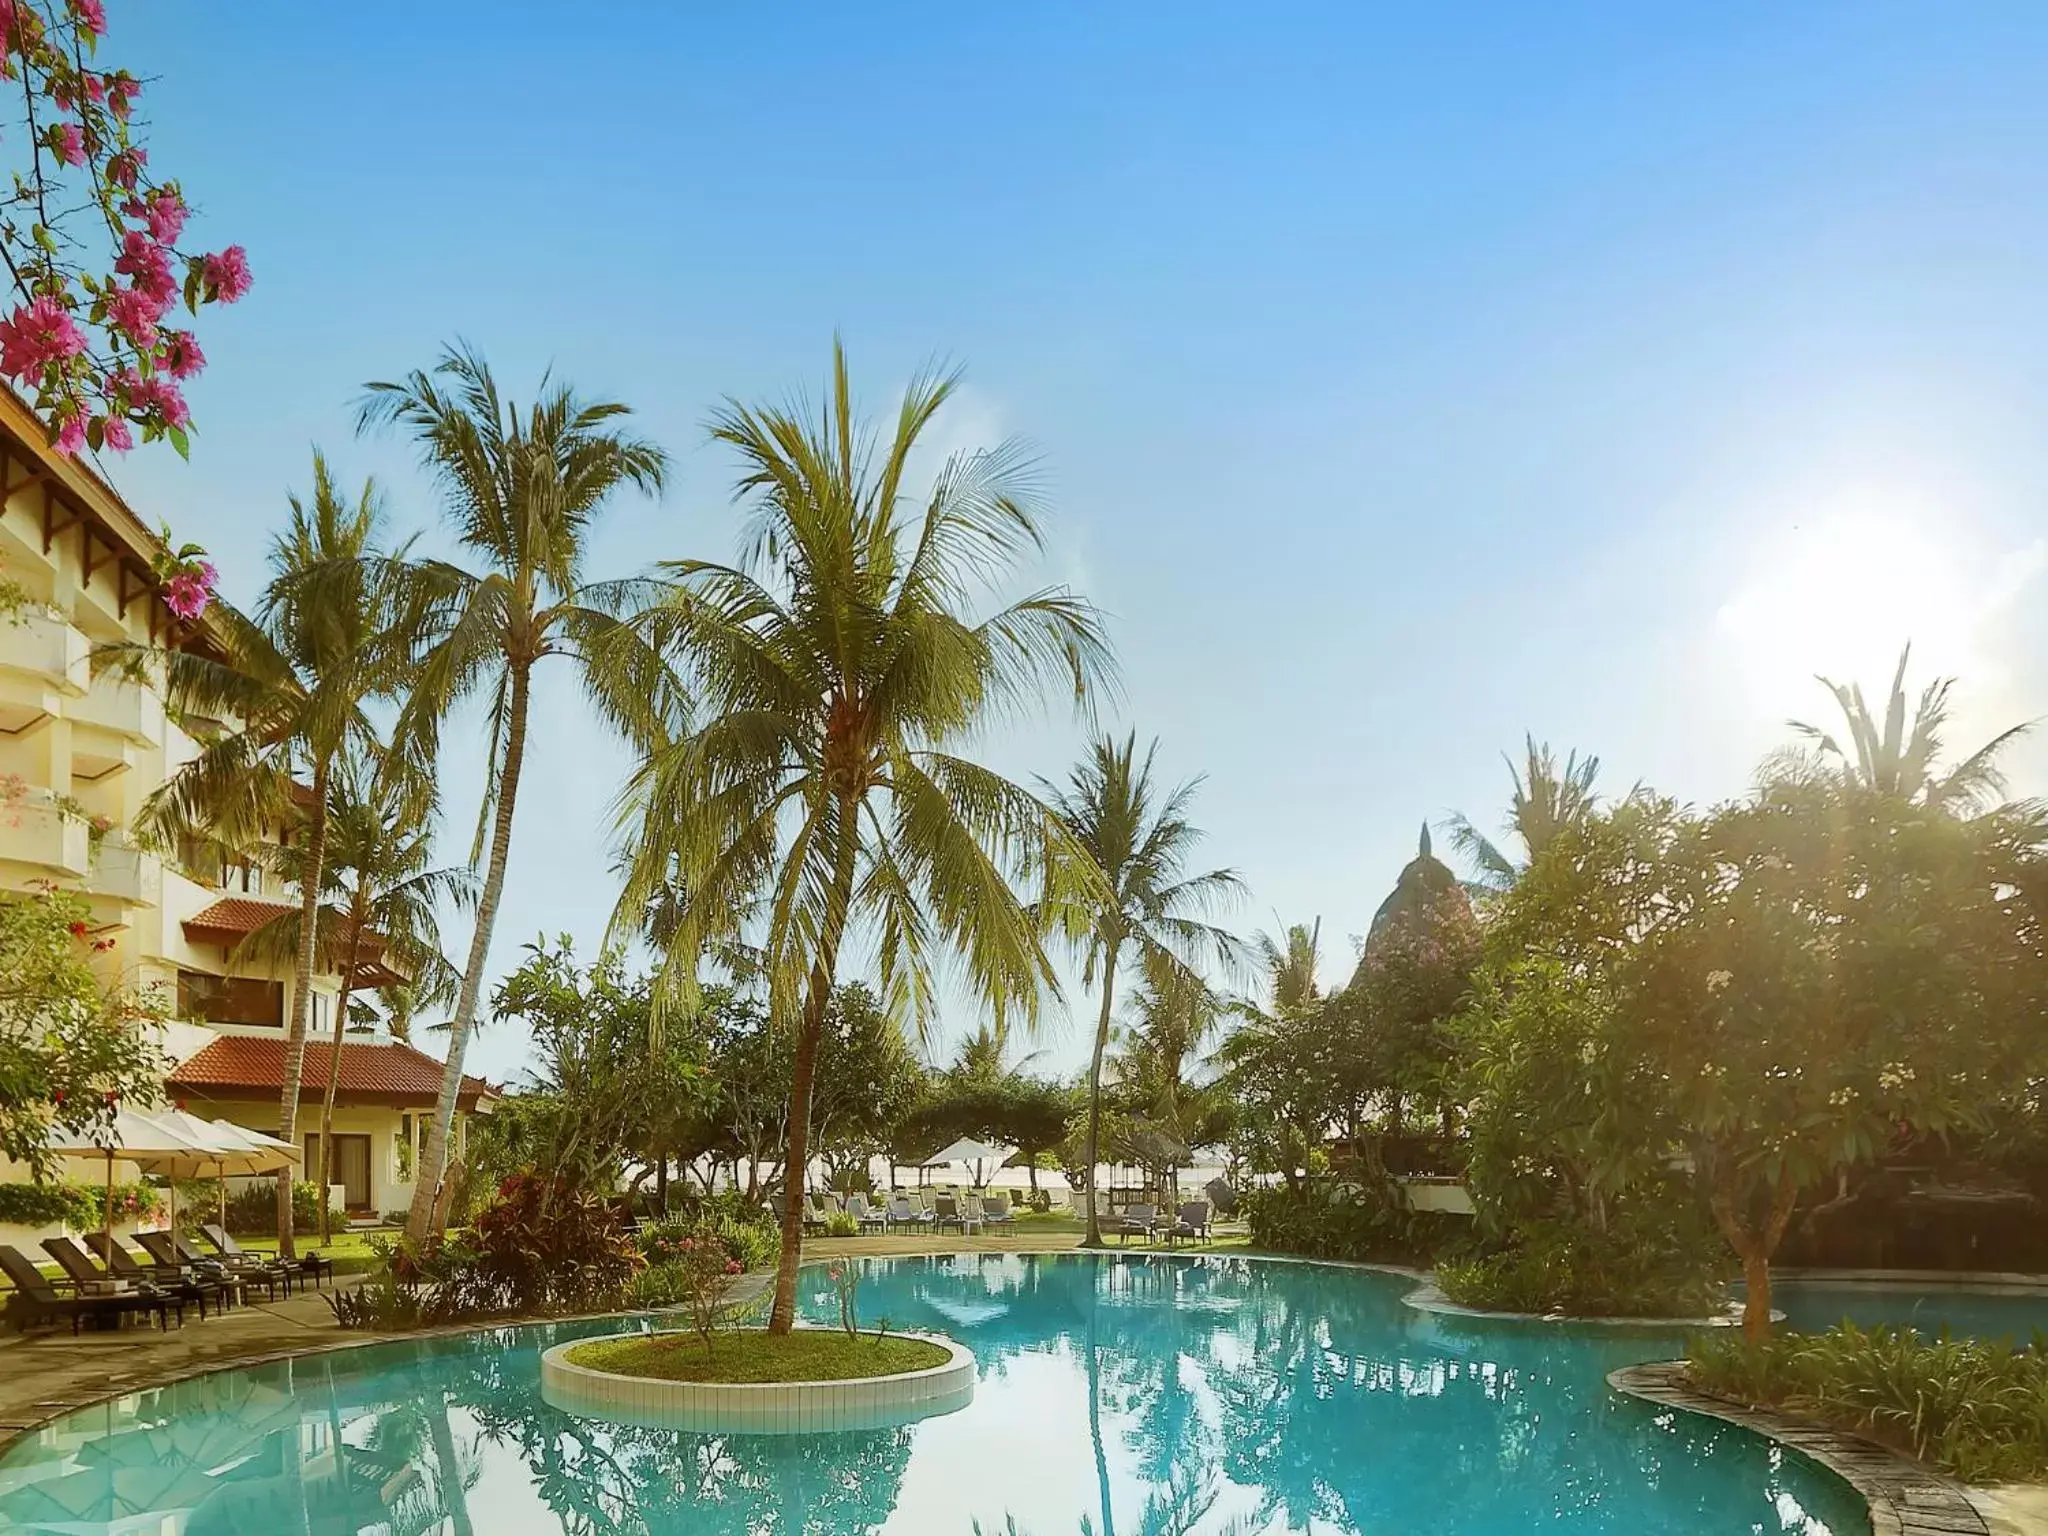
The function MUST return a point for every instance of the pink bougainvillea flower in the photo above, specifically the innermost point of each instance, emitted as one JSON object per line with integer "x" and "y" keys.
{"x": 164, "y": 211}
{"x": 184, "y": 596}
{"x": 122, "y": 89}
{"x": 70, "y": 434}
{"x": 145, "y": 264}
{"x": 36, "y": 334}
{"x": 137, "y": 313}
{"x": 68, "y": 140}
{"x": 180, "y": 356}
{"x": 124, "y": 166}
{"x": 95, "y": 88}
{"x": 227, "y": 274}
{"x": 117, "y": 434}
{"x": 91, "y": 14}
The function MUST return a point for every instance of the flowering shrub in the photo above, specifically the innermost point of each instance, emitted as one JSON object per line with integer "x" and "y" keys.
{"x": 82, "y": 1207}
{"x": 701, "y": 1270}
{"x": 547, "y": 1246}
{"x": 91, "y": 241}
{"x": 71, "y": 1047}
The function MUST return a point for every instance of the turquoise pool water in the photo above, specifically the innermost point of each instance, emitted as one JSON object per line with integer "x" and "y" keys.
{"x": 1141, "y": 1395}
{"x": 1986, "y": 1314}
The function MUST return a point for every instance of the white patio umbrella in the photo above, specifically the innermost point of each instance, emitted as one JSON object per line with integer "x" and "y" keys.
{"x": 131, "y": 1136}
{"x": 222, "y": 1148}
{"x": 969, "y": 1153}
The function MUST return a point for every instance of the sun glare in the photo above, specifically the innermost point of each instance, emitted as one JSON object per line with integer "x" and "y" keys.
{"x": 1841, "y": 594}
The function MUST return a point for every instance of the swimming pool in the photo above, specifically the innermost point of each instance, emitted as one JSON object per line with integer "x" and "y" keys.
{"x": 1988, "y": 1313}
{"x": 1144, "y": 1395}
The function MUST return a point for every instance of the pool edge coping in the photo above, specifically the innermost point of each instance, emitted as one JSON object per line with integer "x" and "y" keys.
{"x": 1904, "y": 1497}
{"x": 761, "y": 1407}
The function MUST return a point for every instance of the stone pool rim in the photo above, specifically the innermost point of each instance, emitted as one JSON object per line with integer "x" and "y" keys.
{"x": 761, "y": 1407}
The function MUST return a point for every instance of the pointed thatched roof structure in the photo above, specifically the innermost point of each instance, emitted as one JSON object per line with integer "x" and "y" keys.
{"x": 1427, "y": 894}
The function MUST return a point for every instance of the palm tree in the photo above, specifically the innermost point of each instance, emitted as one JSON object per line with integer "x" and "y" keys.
{"x": 520, "y": 488}
{"x": 1175, "y": 1014}
{"x": 836, "y": 667}
{"x": 385, "y": 901}
{"x": 1145, "y": 903}
{"x": 1893, "y": 760}
{"x": 1547, "y": 801}
{"x": 290, "y": 684}
{"x": 1290, "y": 963}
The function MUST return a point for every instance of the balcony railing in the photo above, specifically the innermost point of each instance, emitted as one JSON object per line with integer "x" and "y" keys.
{"x": 125, "y": 709}
{"x": 126, "y": 873}
{"x": 34, "y": 831}
{"x": 41, "y": 645}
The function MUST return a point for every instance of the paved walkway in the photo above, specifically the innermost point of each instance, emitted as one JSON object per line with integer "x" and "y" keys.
{"x": 45, "y": 1373}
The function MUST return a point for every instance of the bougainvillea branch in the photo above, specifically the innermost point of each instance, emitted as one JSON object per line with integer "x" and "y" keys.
{"x": 90, "y": 241}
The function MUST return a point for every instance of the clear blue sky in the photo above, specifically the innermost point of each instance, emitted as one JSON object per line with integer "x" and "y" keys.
{"x": 1406, "y": 380}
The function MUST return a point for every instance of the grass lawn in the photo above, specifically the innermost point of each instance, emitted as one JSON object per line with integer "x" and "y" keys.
{"x": 750, "y": 1355}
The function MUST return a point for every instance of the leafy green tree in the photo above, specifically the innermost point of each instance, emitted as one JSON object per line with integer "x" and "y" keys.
{"x": 283, "y": 694}
{"x": 71, "y": 1047}
{"x": 867, "y": 1080}
{"x": 520, "y": 488}
{"x": 1845, "y": 964}
{"x": 605, "y": 1076}
{"x": 1146, "y": 903}
{"x": 1897, "y": 757}
{"x": 1548, "y": 801}
{"x": 836, "y": 669}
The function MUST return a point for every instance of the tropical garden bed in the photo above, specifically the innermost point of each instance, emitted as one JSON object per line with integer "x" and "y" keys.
{"x": 751, "y": 1355}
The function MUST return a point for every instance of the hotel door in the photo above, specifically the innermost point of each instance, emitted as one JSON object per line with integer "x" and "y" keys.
{"x": 351, "y": 1167}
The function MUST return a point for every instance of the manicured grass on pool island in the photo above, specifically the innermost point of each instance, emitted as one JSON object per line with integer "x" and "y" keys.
{"x": 749, "y": 1356}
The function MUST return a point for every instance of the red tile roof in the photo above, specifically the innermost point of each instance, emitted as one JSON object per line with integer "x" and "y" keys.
{"x": 235, "y": 1066}
{"x": 232, "y": 918}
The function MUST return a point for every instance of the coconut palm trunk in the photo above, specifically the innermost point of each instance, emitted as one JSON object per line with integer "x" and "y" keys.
{"x": 1093, "y": 1150}
{"x": 782, "y": 1317}
{"x": 302, "y": 1006}
{"x": 348, "y": 971}
{"x": 434, "y": 1155}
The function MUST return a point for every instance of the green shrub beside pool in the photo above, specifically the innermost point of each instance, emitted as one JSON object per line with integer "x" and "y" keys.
{"x": 748, "y": 1356}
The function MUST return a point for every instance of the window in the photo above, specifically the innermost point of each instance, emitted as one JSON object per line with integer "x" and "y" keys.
{"x": 230, "y": 999}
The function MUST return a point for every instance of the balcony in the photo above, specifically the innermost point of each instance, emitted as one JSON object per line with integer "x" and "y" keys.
{"x": 42, "y": 646}
{"x": 126, "y": 873}
{"x": 115, "y": 707}
{"x": 33, "y": 831}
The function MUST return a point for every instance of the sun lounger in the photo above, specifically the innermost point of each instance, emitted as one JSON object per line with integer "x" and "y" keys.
{"x": 312, "y": 1264}
{"x": 904, "y": 1214}
{"x": 946, "y": 1213}
{"x": 36, "y": 1300}
{"x": 179, "y": 1282}
{"x": 88, "y": 1279}
{"x": 170, "y": 1249}
{"x": 995, "y": 1210}
{"x": 858, "y": 1208}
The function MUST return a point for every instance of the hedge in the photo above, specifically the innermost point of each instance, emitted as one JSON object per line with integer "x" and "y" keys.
{"x": 80, "y": 1206}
